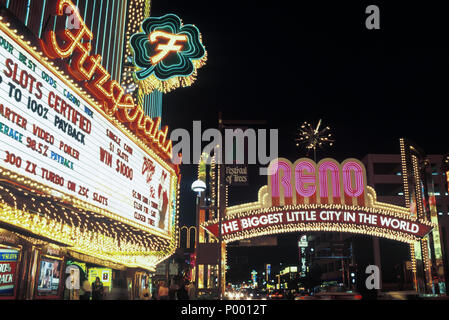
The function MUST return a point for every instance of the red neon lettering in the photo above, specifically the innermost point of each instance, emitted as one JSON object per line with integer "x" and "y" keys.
{"x": 110, "y": 94}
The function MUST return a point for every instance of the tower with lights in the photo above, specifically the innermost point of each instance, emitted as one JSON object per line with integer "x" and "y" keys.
{"x": 311, "y": 138}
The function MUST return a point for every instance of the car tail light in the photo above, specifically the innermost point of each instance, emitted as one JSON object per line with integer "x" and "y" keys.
{"x": 358, "y": 297}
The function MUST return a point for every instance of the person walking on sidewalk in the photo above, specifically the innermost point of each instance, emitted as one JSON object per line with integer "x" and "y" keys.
{"x": 162, "y": 293}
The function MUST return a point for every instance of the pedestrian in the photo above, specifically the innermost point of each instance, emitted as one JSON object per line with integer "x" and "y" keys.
{"x": 399, "y": 279}
{"x": 174, "y": 287}
{"x": 97, "y": 289}
{"x": 155, "y": 290}
{"x": 182, "y": 293}
{"x": 145, "y": 294}
{"x": 191, "y": 291}
{"x": 86, "y": 290}
{"x": 162, "y": 293}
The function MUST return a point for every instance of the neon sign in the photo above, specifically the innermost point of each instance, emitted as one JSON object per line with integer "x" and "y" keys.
{"x": 46, "y": 139}
{"x": 327, "y": 182}
{"x": 167, "y": 53}
{"x": 165, "y": 49}
{"x": 447, "y": 180}
{"x": 88, "y": 69}
{"x": 327, "y": 196}
{"x": 324, "y": 216}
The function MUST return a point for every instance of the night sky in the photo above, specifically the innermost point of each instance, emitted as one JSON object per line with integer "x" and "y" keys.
{"x": 288, "y": 62}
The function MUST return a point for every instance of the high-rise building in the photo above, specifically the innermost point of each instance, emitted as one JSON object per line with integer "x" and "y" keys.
{"x": 332, "y": 253}
{"x": 385, "y": 176}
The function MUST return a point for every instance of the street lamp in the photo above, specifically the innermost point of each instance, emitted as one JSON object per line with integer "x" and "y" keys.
{"x": 199, "y": 186}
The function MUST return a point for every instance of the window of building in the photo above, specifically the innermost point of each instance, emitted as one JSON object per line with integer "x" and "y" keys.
{"x": 388, "y": 189}
{"x": 387, "y": 168}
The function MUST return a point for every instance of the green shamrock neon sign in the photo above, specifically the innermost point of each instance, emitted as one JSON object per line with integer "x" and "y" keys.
{"x": 167, "y": 49}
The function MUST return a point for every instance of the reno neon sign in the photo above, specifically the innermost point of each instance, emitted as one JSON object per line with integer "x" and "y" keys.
{"x": 327, "y": 196}
{"x": 86, "y": 68}
{"x": 328, "y": 182}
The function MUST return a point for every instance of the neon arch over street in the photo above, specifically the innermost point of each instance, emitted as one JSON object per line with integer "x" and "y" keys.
{"x": 305, "y": 196}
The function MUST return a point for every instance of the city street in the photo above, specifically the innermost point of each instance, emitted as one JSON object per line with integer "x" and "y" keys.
{"x": 217, "y": 159}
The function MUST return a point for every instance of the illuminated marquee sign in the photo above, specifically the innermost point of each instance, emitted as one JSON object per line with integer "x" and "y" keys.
{"x": 75, "y": 45}
{"x": 50, "y": 134}
{"x": 327, "y": 196}
{"x": 167, "y": 53}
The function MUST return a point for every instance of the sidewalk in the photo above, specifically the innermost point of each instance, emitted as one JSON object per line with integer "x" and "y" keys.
{"x": 409, "y": 295}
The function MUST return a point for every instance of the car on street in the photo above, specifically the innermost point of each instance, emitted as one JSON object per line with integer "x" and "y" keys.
{"x": 234, "y": 295}
{"x": 304, "y": 296}
{"x": 276, "y": 295}
{"x": 252, "y": 294}
{"x": 336, "y": 293}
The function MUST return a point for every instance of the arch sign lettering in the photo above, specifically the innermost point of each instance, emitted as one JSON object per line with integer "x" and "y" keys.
{"x": 325, "y": 196}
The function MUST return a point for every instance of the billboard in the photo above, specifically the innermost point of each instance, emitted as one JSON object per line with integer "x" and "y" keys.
{"x": 8, "y": 268}
{"x": 104, "y": 274}
{"x": 49, "y": 277}
{"x": 236, "y": 175}
{"x": 52, "y": 135}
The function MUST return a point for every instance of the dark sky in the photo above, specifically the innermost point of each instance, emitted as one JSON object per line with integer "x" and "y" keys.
{"x": 284, "y": 63}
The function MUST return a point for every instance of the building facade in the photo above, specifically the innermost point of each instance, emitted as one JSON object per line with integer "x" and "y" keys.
{"x": 384, "y": 173}
{"x": 82, "y": 195}
{"x": 339, "y": 254}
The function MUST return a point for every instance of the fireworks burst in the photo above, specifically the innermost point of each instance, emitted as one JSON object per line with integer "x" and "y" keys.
{"x": 313, "y": 138}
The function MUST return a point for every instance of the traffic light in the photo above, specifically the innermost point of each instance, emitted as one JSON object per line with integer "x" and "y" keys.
{"x": 353, "y": 275}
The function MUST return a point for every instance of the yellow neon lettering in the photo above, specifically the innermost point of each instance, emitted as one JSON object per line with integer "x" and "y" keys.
{"x": 165, "y": 49}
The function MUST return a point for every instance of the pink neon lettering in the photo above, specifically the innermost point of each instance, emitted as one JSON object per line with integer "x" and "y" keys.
{"x": 301, "y": 179}
{"x": 285, "y": 180}
{"x": 358, "y": 175}
{"x": 335, "y": 174}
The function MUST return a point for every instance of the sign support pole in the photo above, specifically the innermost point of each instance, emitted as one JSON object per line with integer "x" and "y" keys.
{"x": 221, "y": 209}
